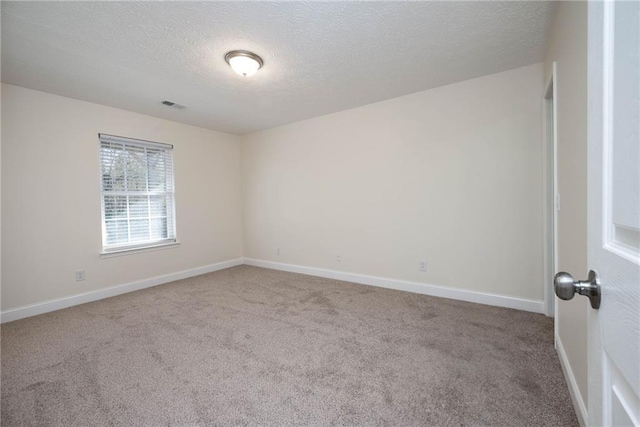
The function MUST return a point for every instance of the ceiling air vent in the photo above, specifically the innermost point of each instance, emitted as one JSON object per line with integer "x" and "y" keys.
{"x": 173, "y": 105}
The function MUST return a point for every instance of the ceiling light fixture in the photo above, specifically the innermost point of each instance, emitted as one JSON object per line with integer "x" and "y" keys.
{"x": 243, "y": 62}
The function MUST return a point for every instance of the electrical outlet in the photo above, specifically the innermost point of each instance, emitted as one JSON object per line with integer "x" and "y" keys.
{"x": 79, "y": 275}
{"x": 423, "y": 266}
{"x": 338, "y": 258}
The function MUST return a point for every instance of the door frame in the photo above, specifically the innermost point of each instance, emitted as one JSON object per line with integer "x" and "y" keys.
{"x": 551, "y": 200}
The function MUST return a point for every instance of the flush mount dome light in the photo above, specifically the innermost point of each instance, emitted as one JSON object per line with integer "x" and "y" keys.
{"x": 243, "y": 62}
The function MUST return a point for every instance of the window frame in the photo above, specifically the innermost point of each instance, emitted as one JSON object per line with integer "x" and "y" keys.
{"x": 169, "y": 193}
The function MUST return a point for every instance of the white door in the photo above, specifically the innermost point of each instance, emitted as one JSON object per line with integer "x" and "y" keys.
{"x": 614, "y": 211}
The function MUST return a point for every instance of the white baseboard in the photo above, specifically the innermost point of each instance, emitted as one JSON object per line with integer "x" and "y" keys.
{"x": 416, "y": 287}
{"x": 536, "y": 306}
{"x": 58, "y": 304}
{"x": 578, "y": 402}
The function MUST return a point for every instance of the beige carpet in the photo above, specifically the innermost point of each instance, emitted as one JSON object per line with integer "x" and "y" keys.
{"x": 250, "y": 346}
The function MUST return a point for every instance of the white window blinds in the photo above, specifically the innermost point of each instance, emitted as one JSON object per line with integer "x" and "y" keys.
{"x": 137, "y": 193}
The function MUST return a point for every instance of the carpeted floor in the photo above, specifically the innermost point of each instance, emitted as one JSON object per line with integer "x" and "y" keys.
{"x": 251, "y": 346}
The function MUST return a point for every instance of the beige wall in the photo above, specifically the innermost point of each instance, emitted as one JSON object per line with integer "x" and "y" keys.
{"x": 451, "y": 175}
{"x": 567, "y": 46}
{"x": 51, "y": 197}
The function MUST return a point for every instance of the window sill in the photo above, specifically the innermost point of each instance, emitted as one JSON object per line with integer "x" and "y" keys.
{"x": 132, "y": 251}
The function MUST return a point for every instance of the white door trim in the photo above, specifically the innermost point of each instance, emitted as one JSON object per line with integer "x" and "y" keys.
{"x": 579, "y": 405}
{"x": 550, "y": 201}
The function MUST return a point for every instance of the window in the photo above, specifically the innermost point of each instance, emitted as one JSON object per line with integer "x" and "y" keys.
{"x": 137, "y": 193}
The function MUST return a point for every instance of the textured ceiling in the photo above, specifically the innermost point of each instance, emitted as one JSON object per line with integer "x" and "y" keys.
{"x": 320, "y": 57}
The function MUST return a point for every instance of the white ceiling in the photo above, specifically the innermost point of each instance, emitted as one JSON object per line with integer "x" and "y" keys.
{"x": 320, "y": 57}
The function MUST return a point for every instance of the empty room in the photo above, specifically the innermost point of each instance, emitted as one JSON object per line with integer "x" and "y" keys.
{"x": 320, "y": 213}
